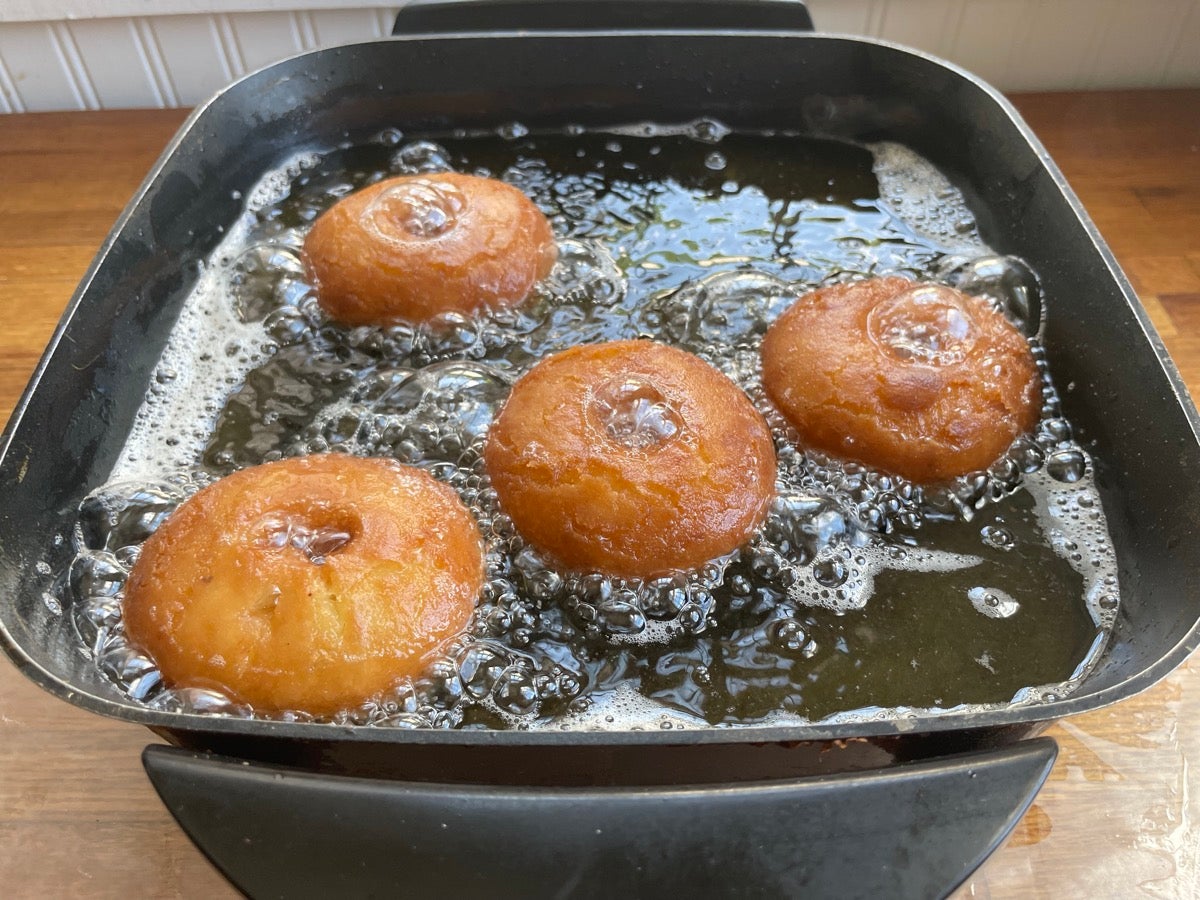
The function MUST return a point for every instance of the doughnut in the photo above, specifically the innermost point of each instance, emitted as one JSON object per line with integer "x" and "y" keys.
{"x": 915, "y": 379}
{"x": 306, "y": 584}
{"x": 408, "y": 249}
{"x": 630, "y": 458}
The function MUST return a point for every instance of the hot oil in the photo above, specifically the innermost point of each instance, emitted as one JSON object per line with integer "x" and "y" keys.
{"x": 861, "y": 594}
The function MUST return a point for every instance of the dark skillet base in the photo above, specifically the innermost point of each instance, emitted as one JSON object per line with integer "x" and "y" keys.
{"x": 594, "y": 760}
{"x": 916, "y": 830}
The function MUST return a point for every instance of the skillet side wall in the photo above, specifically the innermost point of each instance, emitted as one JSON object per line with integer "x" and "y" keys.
{"x": 1131, "y": 409}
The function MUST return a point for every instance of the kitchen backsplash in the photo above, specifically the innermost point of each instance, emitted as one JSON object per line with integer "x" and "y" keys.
{"x": 75, "y": 54}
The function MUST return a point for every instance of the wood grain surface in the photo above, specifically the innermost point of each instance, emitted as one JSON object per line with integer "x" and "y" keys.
{"x": 1120, "y": 815}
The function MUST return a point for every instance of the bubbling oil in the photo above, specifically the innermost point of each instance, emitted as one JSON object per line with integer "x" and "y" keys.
{"x": 862, "y": 595}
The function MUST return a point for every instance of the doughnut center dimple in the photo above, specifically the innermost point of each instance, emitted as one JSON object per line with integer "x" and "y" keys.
{"x": 420, "y": 208}
{"x": 316, "y": 542}
{"x": 634, "y": 413}
{"x": 926, "y": 325}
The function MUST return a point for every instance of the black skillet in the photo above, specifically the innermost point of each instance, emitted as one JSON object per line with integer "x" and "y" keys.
{"x": 892, "y": 808}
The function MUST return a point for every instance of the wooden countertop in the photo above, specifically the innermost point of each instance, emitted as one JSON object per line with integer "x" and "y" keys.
{"x": 1120, "y": 815}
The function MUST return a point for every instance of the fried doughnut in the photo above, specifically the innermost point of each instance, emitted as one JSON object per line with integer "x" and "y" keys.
{"x": 408, "y": 249}
{"x": 631, "y": 458}
{"x": 306, "y": 584}
{"x": 918, "y": 380}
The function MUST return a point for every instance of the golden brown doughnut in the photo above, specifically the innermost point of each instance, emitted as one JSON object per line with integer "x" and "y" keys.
{"x": 919, "y": 380}
{"x": 306, "y": 584}
{"x": 631, "y": 458}
{"x": 408, "y": 249}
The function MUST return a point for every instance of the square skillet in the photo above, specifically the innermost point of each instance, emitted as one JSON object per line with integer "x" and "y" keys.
{"x": 1121, "y": 389}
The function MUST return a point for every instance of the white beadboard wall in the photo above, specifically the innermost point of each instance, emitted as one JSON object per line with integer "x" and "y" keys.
{"x": 106, "y": 54}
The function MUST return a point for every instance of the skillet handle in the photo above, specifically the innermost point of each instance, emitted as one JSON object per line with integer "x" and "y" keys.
{"x": 462, "y": 16}
{"x": 915, "y": 830}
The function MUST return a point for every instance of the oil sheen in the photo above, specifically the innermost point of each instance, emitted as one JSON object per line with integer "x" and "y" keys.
{"x": 861, "y": 596}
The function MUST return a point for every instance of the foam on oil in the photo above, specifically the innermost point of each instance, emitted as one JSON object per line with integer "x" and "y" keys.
{"x": 862, "y": 596}
{"x": 211, "y": 347}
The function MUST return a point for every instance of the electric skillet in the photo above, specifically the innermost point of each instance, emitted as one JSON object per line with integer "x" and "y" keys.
{"x": 899, "y": 807}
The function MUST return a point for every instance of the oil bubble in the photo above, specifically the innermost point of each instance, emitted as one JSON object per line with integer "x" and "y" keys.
{"x": 1057, "y": 430}
{"x": 316, "y": 543}
{"x": 992, "y": 602}
{"x": 585, "y": 272}
{"x": 829, "y": 571}
{"x": 633, "y": 413}
{"x": 664, "y": 603}
{"x": 788, "y": 634}
{"x": 124, "y": 663}
{"x": 1067, "y": 465}
{"x": 421, "y": 157}
{"x": 52, "y": 603}
{"x": 420, "y": 209}
{"x": 515, "y": 692}
{"x": 800, "y": 525}
{"x": 708, "y": 131}
{"x": 96, "y": 619}
{"x": 97, "y": 574}
{"x": 465, "y": 395}
{"x": 198, "y": 701}
{"x": 621, "y": 617}
{"x": 1007, "y": 280}
{"x": 266, "y": 277}
{"x": 725, "y": 308}
{"x": 925, "y": 325}
{"x": 118, "y": 515}
{"x": 512, "y": 131}
{"x": 480, "y": 667}
{"x": 998, "y": 537}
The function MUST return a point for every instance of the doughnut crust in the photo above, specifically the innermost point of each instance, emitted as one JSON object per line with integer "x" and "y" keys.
{"x": 631, "y": 458}
{"x": 306, "y": 584}
{"x": 919, "y": 380}
{"x": 410, "y": 248}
